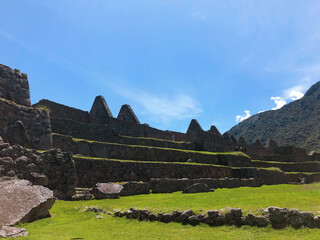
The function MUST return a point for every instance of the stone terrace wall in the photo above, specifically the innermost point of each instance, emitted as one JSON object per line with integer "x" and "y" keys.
{"x": 92, "y": 171}
{"x": 14, "y": 86}
{"x": 36, "y": 122}
{"x": 290, "y": 167}
{"x": 82, "y": 130}
{"x": 64, "y": 112}
{"x": 142, "y": 130}
{"x": 59, "y": 139}
{"x": 145, "y": 153}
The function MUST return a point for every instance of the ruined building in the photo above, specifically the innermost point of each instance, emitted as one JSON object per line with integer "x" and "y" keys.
{"x": 109, "y": 149}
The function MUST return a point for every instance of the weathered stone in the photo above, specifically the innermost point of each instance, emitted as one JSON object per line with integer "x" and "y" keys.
{"x": 126, "y": 114}
{"x": 106, "y": 190}
{"x": 193, "y": 220}
{"x": 100, "y": 112}
{"x": 277, "y": 217}
{"x": 38, "y": 179}
{"x": 185, "y": 215}
{"x": 21, "y": 202}
{"x": 165, "y": 218}
{"x": 197, "y": 188}
{"x": 12, "y": 232}
{"x": 82, "y": 197}
{"x": 17, "y": 134}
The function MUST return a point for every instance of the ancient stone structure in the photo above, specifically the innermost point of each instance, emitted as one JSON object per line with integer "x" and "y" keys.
{"x": 14, "y": 86}
{"x": 35, "y": 121}
{"x": 100, "y": 112}
{"x": 53, "y": 168}
{"x": 121, "y": 149}
{"x": 126, "y": 114}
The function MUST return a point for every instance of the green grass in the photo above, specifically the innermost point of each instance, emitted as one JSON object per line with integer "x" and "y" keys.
{"x": 68, "y": 220}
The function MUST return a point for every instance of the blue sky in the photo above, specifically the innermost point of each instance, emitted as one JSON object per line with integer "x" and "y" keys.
{"x": 216, "y": 61}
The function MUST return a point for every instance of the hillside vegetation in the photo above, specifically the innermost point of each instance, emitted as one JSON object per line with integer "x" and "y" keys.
{"x": 297, "y": 123}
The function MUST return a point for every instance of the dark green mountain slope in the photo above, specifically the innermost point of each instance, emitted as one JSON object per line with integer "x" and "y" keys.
{"x": 297, "y": 123}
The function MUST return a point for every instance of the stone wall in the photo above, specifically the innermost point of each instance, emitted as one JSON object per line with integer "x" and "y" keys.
{"x": 165, "y": 185}
{"x": 92, "y": 171}
{"x": 35, "y": 121}
{"x": 59, "y": 139}
{"x": 57, "y": 110}
{"x": 100, "y": 115}
{"x": 14, "y": 86}
{"x": 145, "y": 153}
{"x": 289, "y": 166}
{"x": 53, "y": 168}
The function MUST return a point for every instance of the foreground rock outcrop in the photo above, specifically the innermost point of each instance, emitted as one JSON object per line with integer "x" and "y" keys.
{"x": 22, "y": 202}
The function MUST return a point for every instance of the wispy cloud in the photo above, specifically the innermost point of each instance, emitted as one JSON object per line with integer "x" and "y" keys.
{"x": 246, "y": 115}
{"x": 162, "y": 108}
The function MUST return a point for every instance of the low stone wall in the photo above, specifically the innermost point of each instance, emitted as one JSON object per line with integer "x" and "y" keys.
{"x": 145, "y": 153}
{"x": 165, "y": 185}
{"x": 63, "y": 112}
{"x": 92, "y": 171}
{"x": 278, "y": 218}
{"x": 36, "y": 122}
{"x": 53, "y": 168}
{"x": 290, "y": 167}
{"x": 14, "y": 86}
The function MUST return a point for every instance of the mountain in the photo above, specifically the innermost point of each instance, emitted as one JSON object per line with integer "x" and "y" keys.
{"x": 297, "y": 123}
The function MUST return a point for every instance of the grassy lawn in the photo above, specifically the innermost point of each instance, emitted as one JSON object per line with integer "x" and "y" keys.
{"x": 68, "y": 220}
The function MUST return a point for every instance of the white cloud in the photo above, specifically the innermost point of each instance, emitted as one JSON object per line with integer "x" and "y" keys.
{"x": 279, "y": 101}
{"x": 162, "y": 108}
{"x": 246, "y": 115}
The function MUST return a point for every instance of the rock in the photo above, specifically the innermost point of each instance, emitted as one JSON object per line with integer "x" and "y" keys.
{"x": 193, "y": 220}
{"x": 233, "y": 216}
{"x": 176, "y": 216}
{"x": 11, "y": 232}
{"x": 82, "y": 197}
{"x": 258, "y": 221}
{"x": 317, "y": 221}
{"x": 277, "y": 217}
{"x": 38, "y": 179}
{"x": 308, "y": 219}
{"x": 165, "y": 218}
{"x": 152, "y": 217}
{"x": 197, "y": 188}
{"x": 21, "y": 202}
{"x": 106, "y": 190}
{"x": 185, "y": 215}
{"x": 17, "y": 134}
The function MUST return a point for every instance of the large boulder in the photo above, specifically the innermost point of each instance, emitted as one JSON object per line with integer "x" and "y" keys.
{"x": 22, "y": 202}
{"x": 197, "y": 188}
{"x": 106, "y": 190}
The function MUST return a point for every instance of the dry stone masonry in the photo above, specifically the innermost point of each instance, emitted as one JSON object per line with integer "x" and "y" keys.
{"x": 276, "y": 217}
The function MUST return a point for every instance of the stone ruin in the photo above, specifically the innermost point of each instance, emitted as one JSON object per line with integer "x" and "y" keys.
{"x": 154, "y": 155}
